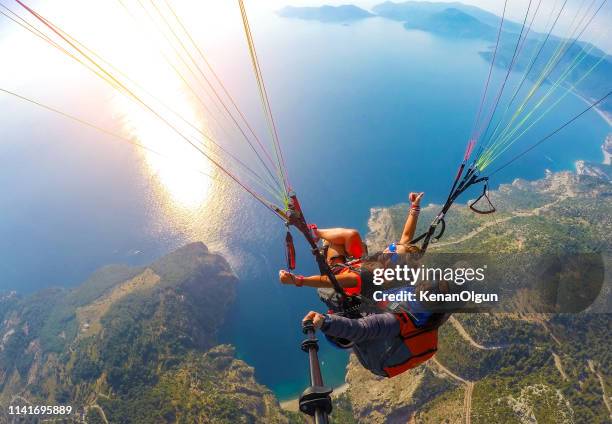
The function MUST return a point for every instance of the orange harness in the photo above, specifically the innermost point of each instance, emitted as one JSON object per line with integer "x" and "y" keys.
{"x": 422, "y": 343}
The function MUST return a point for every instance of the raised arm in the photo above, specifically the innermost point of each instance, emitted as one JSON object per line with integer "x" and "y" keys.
{"x": 412, "y": 219}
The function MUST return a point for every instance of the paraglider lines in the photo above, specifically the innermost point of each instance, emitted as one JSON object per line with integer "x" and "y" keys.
{"x": 499, "y": 144}
{"x": 559, "y": 129}
{"x": 110, "y": 78}
{"x": 273, "y": 180}
{"x": 264, "y": 95}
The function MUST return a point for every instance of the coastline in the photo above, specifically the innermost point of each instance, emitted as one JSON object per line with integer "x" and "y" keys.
{"x": 293, "y": 406}
{"x": 604, "y": 115}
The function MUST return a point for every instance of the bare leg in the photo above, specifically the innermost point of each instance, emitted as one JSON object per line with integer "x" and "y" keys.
{"x": 344, "y": 241}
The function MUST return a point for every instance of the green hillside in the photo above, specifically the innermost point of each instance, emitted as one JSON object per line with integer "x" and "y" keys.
{"x": 508, "y": 368}
{"x": 132, "y": 345}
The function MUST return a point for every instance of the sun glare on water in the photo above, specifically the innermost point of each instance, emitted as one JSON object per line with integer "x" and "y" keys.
{"x": 132, "y": 40}
{"x": 151, "y": 57}
{"x": 182, "y": 171}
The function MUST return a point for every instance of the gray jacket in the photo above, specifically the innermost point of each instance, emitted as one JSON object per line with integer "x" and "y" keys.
{"x": 377, "y": 339}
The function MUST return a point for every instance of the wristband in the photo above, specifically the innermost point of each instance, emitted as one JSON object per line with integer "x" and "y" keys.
{"x": 298, "y": 280}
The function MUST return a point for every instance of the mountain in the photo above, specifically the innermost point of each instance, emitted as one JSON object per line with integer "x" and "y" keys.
{"x": 445, "y": 19}
{"x": 413, "y": 11}
{"x": 452, "y": 22}
{"x": 346, "y": 13}
{"x": 132, "y": 345}
{"x": 510, "y": 368}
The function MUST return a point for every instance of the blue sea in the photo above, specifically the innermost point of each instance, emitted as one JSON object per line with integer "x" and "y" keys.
{"x": 366, "y": 112}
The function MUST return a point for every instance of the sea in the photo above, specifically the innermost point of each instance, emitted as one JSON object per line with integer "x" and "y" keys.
{"x": 366, "y": 112}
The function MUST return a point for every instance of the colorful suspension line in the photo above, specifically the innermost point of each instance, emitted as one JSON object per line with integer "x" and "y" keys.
{"x": 216, "y": 77}
{"x": 208, "y": 83}
{"x": 127, "y": 90}
{"x": 532, "y": 63}
{"x": 252, "y": 174}
{"x": 505, "y": 138}
{"x": 460, "y": 185}
{"x": 488, "y": 81}
{"x": 555, "y": 59}
{"x": 515, "y": 55}
{"x": 270, "y": 185}
{"x": 201, "y": 54}
{"x": 485, "y": 135}
{"x": 551, "y": 134}
{"x": 263, "y": 94}
{"x": 545, "y": 113}
{"x": 548, "y": 69}
{"x": 539, "y": 51}
{"x": 96, "y": 127}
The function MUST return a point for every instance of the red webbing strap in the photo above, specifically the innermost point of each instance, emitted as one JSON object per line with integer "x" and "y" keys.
{"x": 290, "y": 249}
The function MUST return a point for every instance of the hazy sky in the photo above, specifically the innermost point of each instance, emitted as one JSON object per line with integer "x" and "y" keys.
{"x": 597, "y": 33}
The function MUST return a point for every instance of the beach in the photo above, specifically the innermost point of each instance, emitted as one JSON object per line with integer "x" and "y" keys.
{"x": 293, "y": 404}
{"x": 604, "y": 115}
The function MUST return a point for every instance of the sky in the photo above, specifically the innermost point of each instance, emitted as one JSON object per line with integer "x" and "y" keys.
{"x": 516, "y": 9}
